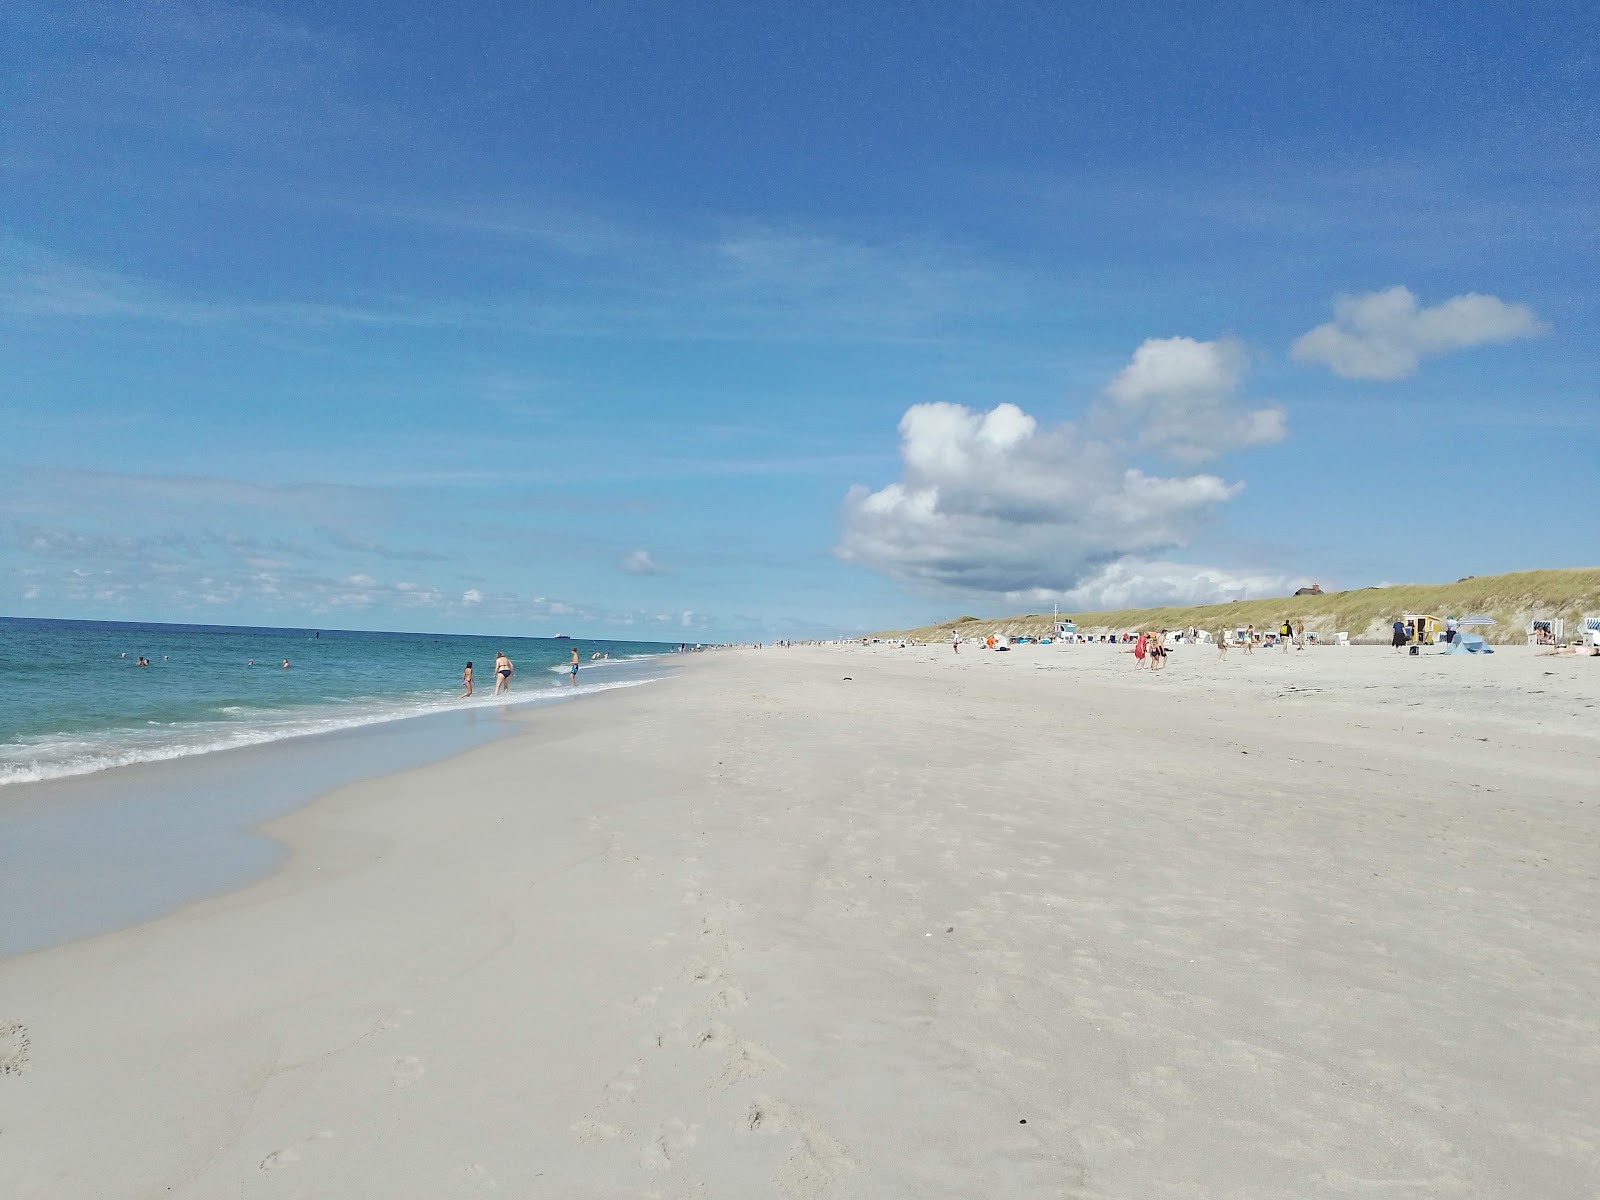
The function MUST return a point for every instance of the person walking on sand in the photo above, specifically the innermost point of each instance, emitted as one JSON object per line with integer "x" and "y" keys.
{"x": 1299, "y": 635}
{"x": 1400, "y": 636}
{"x": 1222, "y": 643}
{"x": 466, "y": 681}
{"x": 1139, "y": 651}
{"x": 503, "y": 667}
{"x": 1250, "y": 640}
{"x": 573, "y": 665}
{"x": 1286, "y": 634}
{"x": 955, "y": 642}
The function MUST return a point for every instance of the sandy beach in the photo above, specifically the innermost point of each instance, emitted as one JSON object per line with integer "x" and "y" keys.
{"x": 882, "y": 922}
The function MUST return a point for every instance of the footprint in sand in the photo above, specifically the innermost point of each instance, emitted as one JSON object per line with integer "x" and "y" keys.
{"x": 14, "y": 1044}
{"x": 698, "y": 970}
{"x": 669, "y": 1143}
{"x": 746, "y": 1060}
{"x": 729, "y": 996}
{"x": 289, "y": 1155}
{"x": 280, "y": 1158}
{"x": 407, "y": 1070}
{"x": 594, "y": 1131}
{"x": 817, "y": 1162}
{"x": 623, "y": 1086}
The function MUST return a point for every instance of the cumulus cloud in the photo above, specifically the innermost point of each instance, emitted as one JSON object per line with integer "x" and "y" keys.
{"x": 989, "y": 502}
{"x": 640, "y": 563}
{"x": 1135, "y": 582}
{"x": 1385, "y": 335}
{"x": 1179, "y": 393}
{"x": 472, "y": 596}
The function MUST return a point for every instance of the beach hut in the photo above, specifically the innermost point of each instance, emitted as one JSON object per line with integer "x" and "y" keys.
{"x": 1546, "y": 631}
{"x": 1427, "y": 628}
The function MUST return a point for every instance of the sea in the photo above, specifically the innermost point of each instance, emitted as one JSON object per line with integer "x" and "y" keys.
{"x": 74, "y": 700}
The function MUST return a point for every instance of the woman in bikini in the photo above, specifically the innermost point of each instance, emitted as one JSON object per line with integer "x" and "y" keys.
{"x": 502, "y": 672}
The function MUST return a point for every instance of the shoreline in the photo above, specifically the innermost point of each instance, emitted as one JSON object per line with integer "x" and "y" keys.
{"x": 867, "y": 922}
{"x": 90, "y": 854}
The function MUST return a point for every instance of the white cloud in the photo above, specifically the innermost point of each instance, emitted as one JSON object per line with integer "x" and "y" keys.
{"x": 991, "y": 503}
{"x": 640, "y": 563}
{"x": 1136, "y": 582}
{"x": 1384, "y": 335}
{"x": 472, "y": 596}
{"x": 1179, "y": 393}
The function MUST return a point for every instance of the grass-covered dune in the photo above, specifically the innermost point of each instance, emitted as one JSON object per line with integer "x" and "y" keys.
{"x": 1513, "y": 600}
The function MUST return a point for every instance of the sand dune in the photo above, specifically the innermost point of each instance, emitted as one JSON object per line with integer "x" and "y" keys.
{"x": 883, "y": 923}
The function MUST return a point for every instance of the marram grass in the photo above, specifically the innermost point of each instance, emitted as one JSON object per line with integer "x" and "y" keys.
{"x": 1512, "y": 600}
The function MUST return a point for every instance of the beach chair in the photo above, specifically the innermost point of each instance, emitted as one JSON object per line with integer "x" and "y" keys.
{"x": 1547, "y": 631}
{"x": 1341, "y": 639}
{"x": 1591, "y": 630}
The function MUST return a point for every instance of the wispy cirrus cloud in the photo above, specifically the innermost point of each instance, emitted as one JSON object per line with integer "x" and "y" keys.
{"x": 36, "y": 283}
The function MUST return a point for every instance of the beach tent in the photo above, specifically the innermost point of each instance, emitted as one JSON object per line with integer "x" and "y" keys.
{"x": 1468, "y": 643}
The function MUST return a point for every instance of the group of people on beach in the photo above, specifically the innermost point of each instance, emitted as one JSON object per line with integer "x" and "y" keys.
{"x": 504, "y": 669}
{"x": 1150, "y": 650}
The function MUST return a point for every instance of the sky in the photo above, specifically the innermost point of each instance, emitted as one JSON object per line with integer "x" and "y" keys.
{"x": 742, "y": 321}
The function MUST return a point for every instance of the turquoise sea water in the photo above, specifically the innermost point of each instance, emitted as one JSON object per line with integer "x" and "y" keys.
{"x": 73, "y": 700}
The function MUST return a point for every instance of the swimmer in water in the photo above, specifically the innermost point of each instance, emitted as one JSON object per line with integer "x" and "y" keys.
{"x": 574, "y": 667}
{"x": 466, "y": 681}
{"x": 286, "y": 662}
{"x": 502, "y": 672}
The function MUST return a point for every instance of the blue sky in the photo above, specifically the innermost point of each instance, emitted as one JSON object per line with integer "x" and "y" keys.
{"x": 736, "y": 321}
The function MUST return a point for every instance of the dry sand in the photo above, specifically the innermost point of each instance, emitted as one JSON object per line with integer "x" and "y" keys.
{"x": 1021, "y": 925}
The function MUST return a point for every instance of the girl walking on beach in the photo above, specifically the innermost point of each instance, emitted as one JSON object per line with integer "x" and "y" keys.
{"x": 466, "y": 681}
{"x": 1139, "y": 651}
{"x": 1250, "y": 640}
